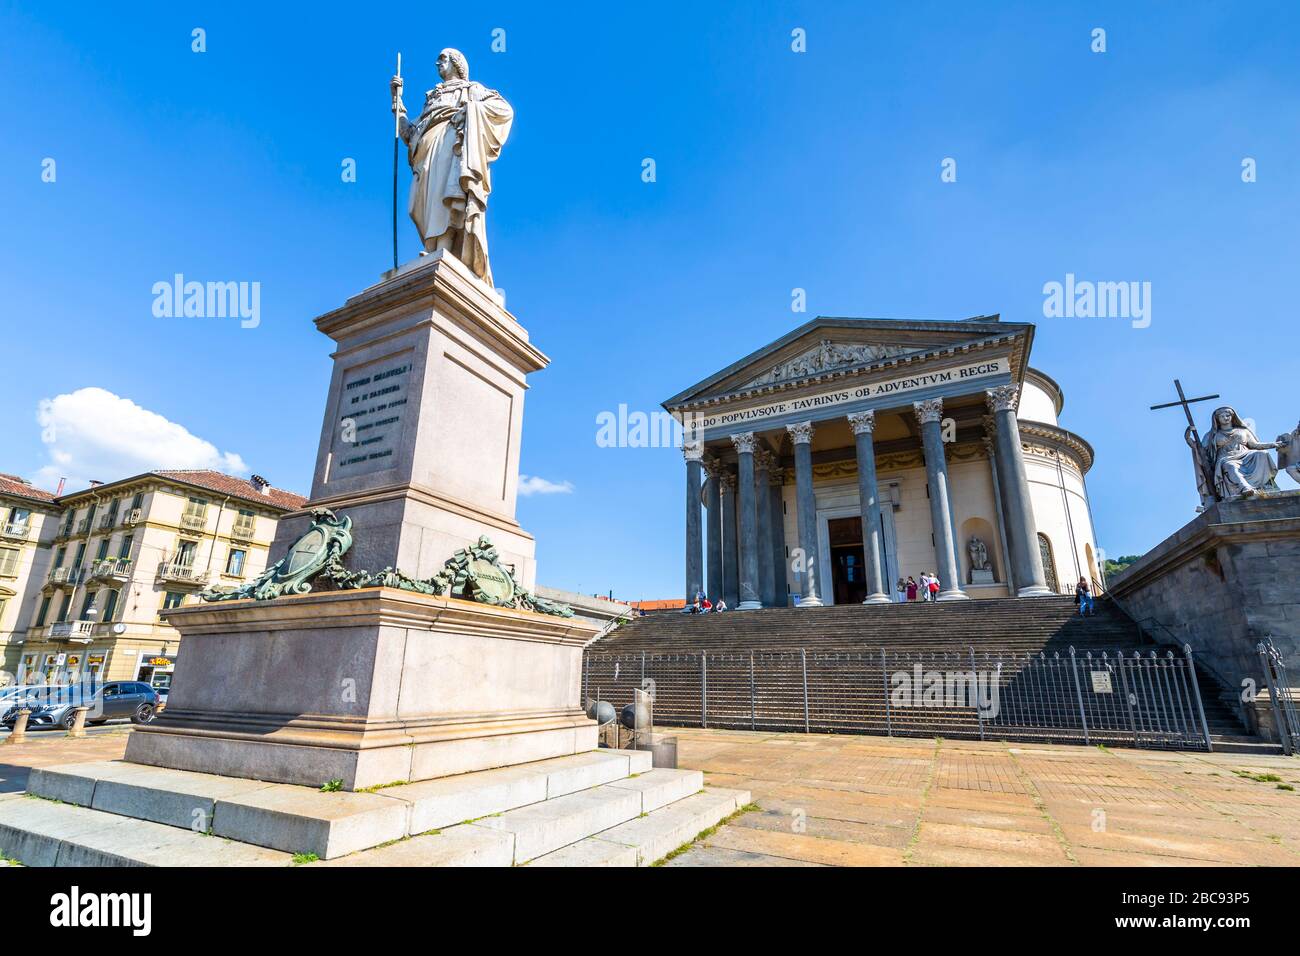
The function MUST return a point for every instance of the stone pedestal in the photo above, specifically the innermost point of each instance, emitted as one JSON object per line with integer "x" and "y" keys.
{"x": 420, "y": 438}
{"x": 368, "y": 687}
{"x": 1224, "y": 582}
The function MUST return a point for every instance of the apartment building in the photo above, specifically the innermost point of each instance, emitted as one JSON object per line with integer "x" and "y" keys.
{"x": 28, "y": 519}
{"x": 123, "y": 551}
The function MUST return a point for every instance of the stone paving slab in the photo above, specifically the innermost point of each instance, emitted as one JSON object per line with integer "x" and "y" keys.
{"x": 707, "y": 855}
{"x": 795, "y": 846}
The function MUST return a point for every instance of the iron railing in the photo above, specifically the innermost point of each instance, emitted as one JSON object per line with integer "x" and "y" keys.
{"x": 1281, "y": 697}
{"x": 1143, "y": 698}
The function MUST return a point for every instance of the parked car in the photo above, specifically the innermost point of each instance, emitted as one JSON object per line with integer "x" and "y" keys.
{"x": 132, "y": 699}
{"x": 16, "y": 696}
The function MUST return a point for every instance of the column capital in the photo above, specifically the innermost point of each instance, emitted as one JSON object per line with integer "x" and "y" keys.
{"x": 930, "y": 410}
{"x": 776, "y": 476}
{"x": 693, "y": 450}
{"x": 763, "y": 459}
{"x": 744, "y": 442}
{"x": 713, "y": 466}
{"x": 863, "y": 422}
{"x": 800, "y": 433}
{"x": 728, "y": 482}
{"x": 1004, "y": 398}
{"x": 990, "y": 434}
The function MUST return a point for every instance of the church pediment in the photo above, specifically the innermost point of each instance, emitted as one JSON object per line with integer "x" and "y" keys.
{"x": 838, "y": 346}
{"x": 828, "y": 356}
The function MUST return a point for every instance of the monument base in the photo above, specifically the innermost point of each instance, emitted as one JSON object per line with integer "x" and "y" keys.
{"x": 1224, "y": 582}
{"x": 367, "y": 688}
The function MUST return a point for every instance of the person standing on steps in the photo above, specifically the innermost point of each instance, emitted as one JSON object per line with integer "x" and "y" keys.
{"x": 1083, "y": 598}
{"x": 902, "y": 591}
{"x": 934, "y": 586}
{"x": 911, "y": 589}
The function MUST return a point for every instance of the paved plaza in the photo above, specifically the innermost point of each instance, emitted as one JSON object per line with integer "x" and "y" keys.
{"x": 873, "y": 801}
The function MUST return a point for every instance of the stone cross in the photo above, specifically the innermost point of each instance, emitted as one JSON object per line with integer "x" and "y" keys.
{"x": 1186, "y": 403}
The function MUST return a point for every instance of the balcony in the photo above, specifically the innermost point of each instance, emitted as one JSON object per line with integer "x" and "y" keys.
{"x": 62, "y": 576}
{"x": 83, "y": 526}
{"x": 132, "y": 517}
{"x": 178, "y": 572}
{"x": 111, "y": 569}
{"x": 193, "y": 522}
{"x": 107, "y": 522}
{"x": 15, "y": 531}
{"x": 243, "y": 530}
{"x": 79, "y": 631}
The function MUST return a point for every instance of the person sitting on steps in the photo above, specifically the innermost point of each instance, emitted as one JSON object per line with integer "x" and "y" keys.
{"x": 1083, "y": 598}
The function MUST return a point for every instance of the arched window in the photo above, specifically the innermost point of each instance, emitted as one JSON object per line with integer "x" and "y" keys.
{"x": 1049, "y": 563}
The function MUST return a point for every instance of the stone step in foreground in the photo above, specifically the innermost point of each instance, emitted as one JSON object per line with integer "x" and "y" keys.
{"x": 113, "y": 813}
{"x": 303, "y": 820}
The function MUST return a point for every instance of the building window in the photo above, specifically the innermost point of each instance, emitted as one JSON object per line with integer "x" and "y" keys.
{"x": 45, "y": 609}
{"x": 1049, "y": 563}
{"x": 18, "y": 519}
{"x": 137, "y": 501}
{"x": 235, "y": 561}
{"x": 173, "y": 599}
{"x": 102, "y": 553}
{"x": 87, "y": 606}
{"x": 125, "y": 550}
{"x": 59, "y": 556}
{"x": 9, "y": 561}
{"x": 110, "y": 604}
{"x": 63, "y": 607}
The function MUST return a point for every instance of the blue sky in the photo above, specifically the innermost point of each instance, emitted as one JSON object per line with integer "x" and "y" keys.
{"x": 775, "y": 170}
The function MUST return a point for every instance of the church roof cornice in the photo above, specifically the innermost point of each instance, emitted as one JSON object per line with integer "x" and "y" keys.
{"x": 986, "y": 332}
{"x": 1061, "y": 439}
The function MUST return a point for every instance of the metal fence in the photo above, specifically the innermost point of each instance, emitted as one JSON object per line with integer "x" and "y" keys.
{"x": 1281, "y": 697}
{"x": 1141, "y": 698}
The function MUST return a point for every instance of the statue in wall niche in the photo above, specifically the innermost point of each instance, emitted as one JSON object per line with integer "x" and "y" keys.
{"x": 459, "y": 133}
{"x": 981, "y": 571}
{"x": 1231, "y": 461}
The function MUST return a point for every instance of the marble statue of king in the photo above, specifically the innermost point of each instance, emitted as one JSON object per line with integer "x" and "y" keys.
{"x": 458, "y": 134}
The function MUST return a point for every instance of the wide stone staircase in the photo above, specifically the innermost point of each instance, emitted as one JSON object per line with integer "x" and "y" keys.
{"x": 826, "y": 669}
{"x": 998, "y": 626}
{"x": 600, "y": 808}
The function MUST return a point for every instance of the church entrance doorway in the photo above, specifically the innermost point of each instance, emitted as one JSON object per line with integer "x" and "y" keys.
{"x": 848, "y": 573}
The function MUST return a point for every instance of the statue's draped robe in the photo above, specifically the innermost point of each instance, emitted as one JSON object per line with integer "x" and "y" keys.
{"x": 1235, "y": 468}
{"x": 451, "y": 181}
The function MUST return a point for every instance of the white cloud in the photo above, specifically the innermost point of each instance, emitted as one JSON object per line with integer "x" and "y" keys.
{"x": 93, "y": 434}
{"x": 533, "y": 485}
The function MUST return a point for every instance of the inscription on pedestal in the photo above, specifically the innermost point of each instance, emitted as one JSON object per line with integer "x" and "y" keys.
{"x": 371, "y": 407}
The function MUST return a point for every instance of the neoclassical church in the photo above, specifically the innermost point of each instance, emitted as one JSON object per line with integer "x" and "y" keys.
{"x": 853, "y": 452}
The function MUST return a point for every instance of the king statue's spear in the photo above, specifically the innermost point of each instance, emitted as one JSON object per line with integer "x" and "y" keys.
{"x": 397, "y": 137}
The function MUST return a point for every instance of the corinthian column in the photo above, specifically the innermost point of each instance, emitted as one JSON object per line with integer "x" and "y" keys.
{"x": 930, "y": 414}
{"x": 806, "y": 501}
{"x": 762, "y": 499}
{"x": 713, "y": 539}
{"x": 1022, "y": 531}
{"x": 730, "y": 542}
{"x": 693, "y": 451}
{"x": 749, "y": 596}
{"x": 776, "y": 477}
{"x": 863, "y": 425}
